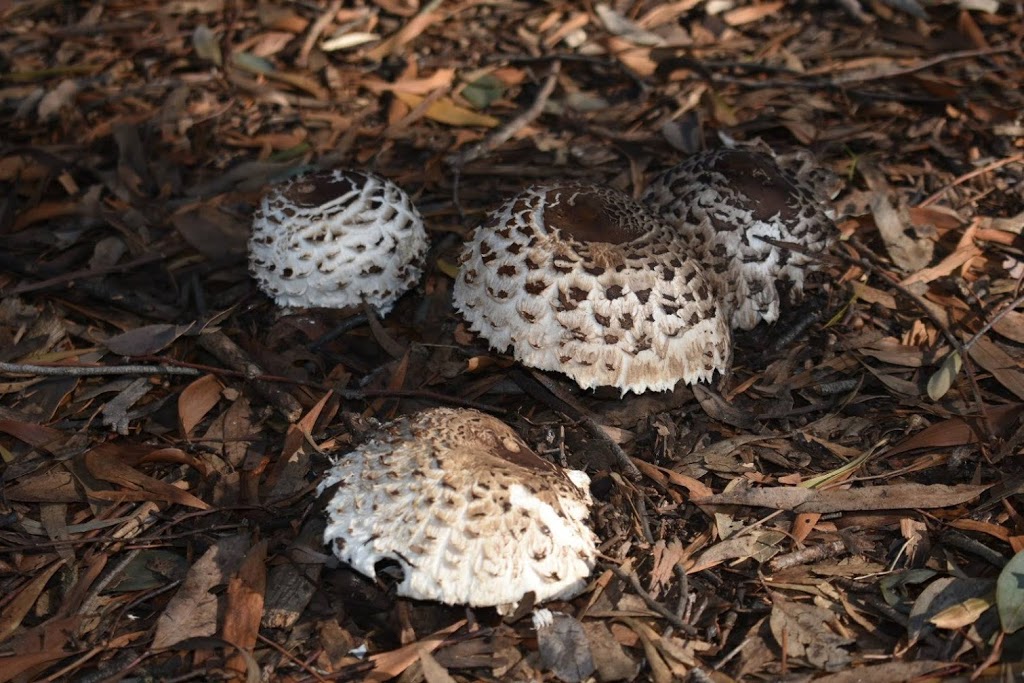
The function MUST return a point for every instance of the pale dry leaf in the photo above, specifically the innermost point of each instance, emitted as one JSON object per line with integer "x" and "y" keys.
{"x": 757, "y": 543}
{"x": 192, "y": 610}
{"x": 196, "y": 400}
{"x": 884, "y": 497}
{"x": 908, "y": 253}
{"x": 444, "y": 110}
{"x": 1001, "y": 364}
{"x": 804, "y": 631}
{"x": 564, "y": 649}
{"x": 940, "y": 595}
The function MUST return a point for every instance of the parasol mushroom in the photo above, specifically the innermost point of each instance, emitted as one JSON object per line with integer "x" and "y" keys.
{"x": 336, "y": 238}
{"x": 586, "y": 281}
{"x": 468, "y": 511}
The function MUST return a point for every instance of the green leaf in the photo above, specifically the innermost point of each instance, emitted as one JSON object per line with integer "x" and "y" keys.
{"x": 1010, "y": 594}
{"x": 942, "y": 380}
{"x": 206, "y": 45}
{"x": 484, "y": 91}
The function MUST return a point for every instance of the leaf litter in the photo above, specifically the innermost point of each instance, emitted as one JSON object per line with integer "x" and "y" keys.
{"x": 846, "y": 504}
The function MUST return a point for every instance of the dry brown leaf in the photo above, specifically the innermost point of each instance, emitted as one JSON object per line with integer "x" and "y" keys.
{"x": 872, "y": 295}
{"x": 890, "y": 671}
{"x": 956, "y": 431}
{"x": 665, "y": 558}
{"x": 193, "y": 609}
{"x": 891, "y": 351}
{"x": 444, "y": 110}
{"x": 804, "y": 631}
{"x": 761, "y": 544}
{"x": 884, "y": 497}
{"x": 442, "y": 78}
{"x": 966, "y": 251}
{"x": 751, "y": 13}
{"x": 1011, "y": 326}
{"x": 19, "y": 606}
{"x": 906, "y": 252}
{"x": 35, "y": 435}
{"x": 694, "y": 486}
{"x": 196, "y": 400}
{"x": 1003, "y": 367}
{"x": 387, "y": 665}
{"x": 244, "y": 605}
{"x": 105, "y": 466}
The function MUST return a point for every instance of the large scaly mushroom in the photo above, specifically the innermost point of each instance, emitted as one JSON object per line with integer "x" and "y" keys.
{"x": 336, "y": 238}
{"x": 755, "y": 225}
{"x": 586, "y": 281}
{"x": 468, "y": 511}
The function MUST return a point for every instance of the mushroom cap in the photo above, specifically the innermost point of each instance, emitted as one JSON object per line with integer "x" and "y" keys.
{"x": 584, "y": 280}
{"x": 723, "y": 202}
{"x": 336, "y": 238}
{"x": 471, "y": 514}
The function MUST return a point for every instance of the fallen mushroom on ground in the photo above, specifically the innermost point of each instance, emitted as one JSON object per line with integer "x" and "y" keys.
{"x": 468, "y": 511}
{"x": 337, "y": 238}
{"x": 583, "y": 280}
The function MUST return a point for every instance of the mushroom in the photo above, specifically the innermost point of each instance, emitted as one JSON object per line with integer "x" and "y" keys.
{"x": 726, "y": 204}
{"x": 586, "y": 281}
{"x": 468, "y": 511}
{"x": 336, "y": 238}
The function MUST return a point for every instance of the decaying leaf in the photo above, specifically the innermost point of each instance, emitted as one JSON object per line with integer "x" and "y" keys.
{"x": 1010, "y": 594}
{"x": 806, "y": 631}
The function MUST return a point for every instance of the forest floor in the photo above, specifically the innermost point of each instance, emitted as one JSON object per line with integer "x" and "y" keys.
{"x": 163, "y": 426}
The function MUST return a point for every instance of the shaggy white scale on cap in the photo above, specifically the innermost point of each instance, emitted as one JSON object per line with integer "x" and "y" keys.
{"x": 471, "y": 514}
{"x": 336, "y": 238}
{"x": 724, "y": 202}
{"x": 585, "y": 281}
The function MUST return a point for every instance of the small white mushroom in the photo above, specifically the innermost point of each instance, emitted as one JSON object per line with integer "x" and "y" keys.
{"x": 725, "y": 204}
{"x": 469, "y": 512}
{"x": 336, "y": 238}
{"x": 585, "y": 281}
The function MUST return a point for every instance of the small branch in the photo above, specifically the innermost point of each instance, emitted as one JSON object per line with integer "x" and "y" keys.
{"x": 95, "y": 370}
{"x": 502, "y": 135}
{"x": 458, "y": 160}
{"x": 672, "y": 617}
{"x": 973, "y": 174}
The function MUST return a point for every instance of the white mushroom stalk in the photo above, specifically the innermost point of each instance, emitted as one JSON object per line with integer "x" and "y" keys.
{"x": 585, "y": 281}
{"x": 725, "y": 205}
{"x": 469, "y": 512}
{"x": 337, "y": 238}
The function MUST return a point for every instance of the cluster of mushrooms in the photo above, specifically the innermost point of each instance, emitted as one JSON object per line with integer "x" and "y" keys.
{"x": 571, "y": 277}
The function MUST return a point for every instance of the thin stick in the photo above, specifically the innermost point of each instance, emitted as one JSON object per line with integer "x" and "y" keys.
{"x": 500, "y": 136}
{"x": 95, "y": 370}
{"x": 973, "y": 174}
{"x": 672, "y": 617}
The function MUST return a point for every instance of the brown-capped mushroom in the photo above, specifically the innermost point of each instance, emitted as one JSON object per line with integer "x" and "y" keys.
{"x": 726, "y": 204}
{"x": 336, "y": 238}
{"x": 586, "y": 281}
{"x": 468, "y": 511}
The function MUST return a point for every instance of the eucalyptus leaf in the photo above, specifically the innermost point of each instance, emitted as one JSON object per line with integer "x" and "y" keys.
{"x": 1010, "y": 594}
{"x": 484, "y": 91}
{"x": 940, "y": 382}
{"x": 206, "y": 45}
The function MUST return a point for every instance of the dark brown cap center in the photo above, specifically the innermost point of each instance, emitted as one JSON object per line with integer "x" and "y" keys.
{"x": 770, "y": 190}
{"x": 593, "y": 214}
{"x": 316, "y": 189}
